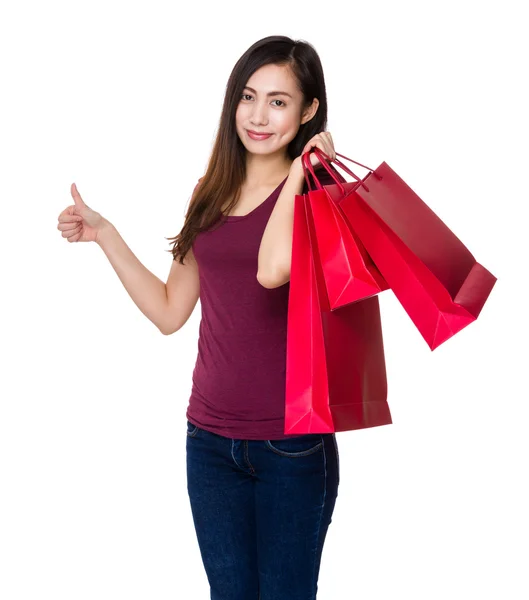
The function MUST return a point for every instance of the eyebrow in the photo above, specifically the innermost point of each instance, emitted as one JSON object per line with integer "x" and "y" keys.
{"x": 275, "y": 93}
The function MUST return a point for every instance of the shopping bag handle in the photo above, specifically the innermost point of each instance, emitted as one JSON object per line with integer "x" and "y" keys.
{"x": 332, "y": 172}
{"x": 305, "y": 161}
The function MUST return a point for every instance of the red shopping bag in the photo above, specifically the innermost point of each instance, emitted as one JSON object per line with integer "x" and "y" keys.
{"x": 436, "y": 279}
{"x": 349, "y": 272}
{"x": 335, "y": 369}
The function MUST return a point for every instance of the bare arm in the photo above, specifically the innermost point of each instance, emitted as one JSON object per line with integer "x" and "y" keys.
{"x": 275, "y": 251}
{"x": 183, "y": 292}
{"x": 169, "y": 305}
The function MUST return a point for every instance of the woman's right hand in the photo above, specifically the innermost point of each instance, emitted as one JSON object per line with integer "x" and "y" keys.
{"x": 78, "y": 222}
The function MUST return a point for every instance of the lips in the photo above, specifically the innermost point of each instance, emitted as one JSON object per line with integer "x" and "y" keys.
{"x": 258, "y": 136}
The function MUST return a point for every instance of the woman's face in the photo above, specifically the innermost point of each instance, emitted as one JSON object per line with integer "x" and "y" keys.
{"x": 264, "y": 110}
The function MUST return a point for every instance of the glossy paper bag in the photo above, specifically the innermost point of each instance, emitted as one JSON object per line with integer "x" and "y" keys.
{"x": 335, "y": 372}
{"x": 434, "y": 276}
{"x": 348, "y": 271}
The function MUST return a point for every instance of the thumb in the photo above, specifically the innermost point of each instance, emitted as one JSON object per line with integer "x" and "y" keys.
{"x": 79, "y": 202}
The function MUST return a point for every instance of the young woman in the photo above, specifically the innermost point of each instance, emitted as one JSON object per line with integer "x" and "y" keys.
{"x": 261, "y": 500}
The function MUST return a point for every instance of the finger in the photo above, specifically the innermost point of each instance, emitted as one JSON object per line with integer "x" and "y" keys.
{"x": 70, "y": 232}
{"x": 79, "y": 202}
{"x": 310, "y": 144}
{"x": 319, "y": 141}
{"x": 67, "y": 218}
{"x": 331, "y": 143}
{"x": 68, "y": 226}
{"x": 75, "y": 237}
{"x": 327, "y": 139}
{"x": 67, "y": 211}
{"x": 328, "y": 145}
{"x": 314, "y": 141}
{"x": 327, "y": 153}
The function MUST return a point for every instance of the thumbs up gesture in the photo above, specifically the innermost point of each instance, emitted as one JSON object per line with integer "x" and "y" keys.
{"x": 78, "y": 222}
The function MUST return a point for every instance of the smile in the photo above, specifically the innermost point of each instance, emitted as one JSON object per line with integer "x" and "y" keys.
{"x": 258, "y": 136}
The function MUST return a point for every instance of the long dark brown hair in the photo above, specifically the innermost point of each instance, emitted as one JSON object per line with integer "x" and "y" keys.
{"x": 226, "y": 169}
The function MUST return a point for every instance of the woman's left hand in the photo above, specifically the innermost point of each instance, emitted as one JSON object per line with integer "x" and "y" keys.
{"x": 324, "y": 142}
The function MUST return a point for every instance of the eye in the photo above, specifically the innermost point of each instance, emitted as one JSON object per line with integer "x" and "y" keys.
{"x": 250, "y": 96}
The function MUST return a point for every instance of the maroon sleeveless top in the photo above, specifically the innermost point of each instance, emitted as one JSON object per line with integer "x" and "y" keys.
{"x": 239, "y": 377}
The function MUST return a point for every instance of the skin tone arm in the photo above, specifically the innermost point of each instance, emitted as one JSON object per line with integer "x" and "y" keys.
{"x": 148, "y": 292}
{"x": 275, "y": 251}
{"x": 166, "y": 305}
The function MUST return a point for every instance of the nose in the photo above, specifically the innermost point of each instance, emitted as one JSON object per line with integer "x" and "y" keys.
{"x": 259, "y": 115}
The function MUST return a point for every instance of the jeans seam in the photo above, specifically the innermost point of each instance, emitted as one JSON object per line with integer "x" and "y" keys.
{"x": 247, "y": 457}
{"x": 321, "y": 516}
{"x": 337, "y": 456}
{"x": 232, "y": 455}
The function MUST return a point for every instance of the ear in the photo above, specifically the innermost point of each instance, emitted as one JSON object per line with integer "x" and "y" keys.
{"x": 309, "y": 112}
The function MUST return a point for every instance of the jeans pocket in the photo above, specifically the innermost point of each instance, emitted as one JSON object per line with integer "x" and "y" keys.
{"x": 301, "y": 445}
{"x": 192, "y": 430}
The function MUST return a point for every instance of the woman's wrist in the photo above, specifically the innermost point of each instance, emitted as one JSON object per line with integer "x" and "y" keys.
{"x": 106, "y": 230}
{"x": 296, "y": 169}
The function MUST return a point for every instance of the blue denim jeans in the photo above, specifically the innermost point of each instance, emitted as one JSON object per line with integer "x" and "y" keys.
{"x": 261, "y": 510}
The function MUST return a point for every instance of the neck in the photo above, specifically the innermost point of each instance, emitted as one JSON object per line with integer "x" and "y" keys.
{"x": 266, "y": 169}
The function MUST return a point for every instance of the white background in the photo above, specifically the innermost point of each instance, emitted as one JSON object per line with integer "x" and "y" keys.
{"x": 124, "y": 99}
